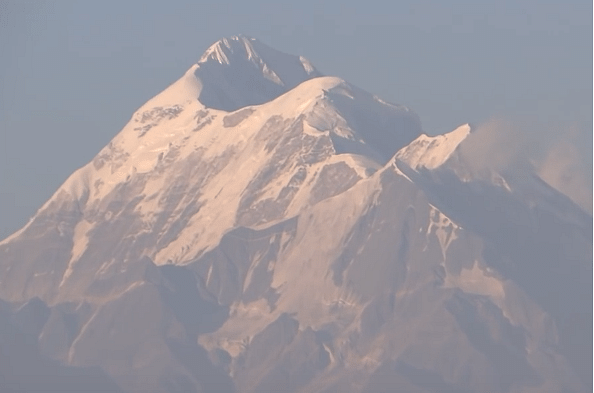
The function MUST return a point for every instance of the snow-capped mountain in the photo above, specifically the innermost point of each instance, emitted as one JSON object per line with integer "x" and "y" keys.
{"x": 259, "y": 227}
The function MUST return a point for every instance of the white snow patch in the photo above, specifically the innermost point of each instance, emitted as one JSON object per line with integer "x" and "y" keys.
{"x": 248, "y": 276}
{"x": 80, "y": 242}
{"x": 445, "y": 230}
{"x": 307, "y": 66}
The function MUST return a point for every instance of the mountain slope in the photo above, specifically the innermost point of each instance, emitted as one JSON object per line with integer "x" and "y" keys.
{"x": 536, "y": 236}
{"x": 170, "y": 191}
{"x": 300, "y": 234}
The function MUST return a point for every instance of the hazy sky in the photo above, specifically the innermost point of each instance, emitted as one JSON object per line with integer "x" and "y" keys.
{"x": 73, "y": 72}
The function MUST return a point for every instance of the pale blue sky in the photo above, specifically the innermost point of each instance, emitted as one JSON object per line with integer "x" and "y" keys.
{"x": 73, "y": 72}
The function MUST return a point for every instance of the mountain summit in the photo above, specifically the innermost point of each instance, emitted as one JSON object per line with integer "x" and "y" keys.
{"x": 258, "y": 227}
{"x": 237, "y": 72}
{"x": 240, "y": 71}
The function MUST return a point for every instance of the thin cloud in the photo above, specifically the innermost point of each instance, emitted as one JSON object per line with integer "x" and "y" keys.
{"x": 564, "y": 170}
{"x": 517, "y": 148}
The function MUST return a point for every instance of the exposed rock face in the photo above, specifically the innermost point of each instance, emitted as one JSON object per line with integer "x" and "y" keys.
{"x": 295, "y": 235}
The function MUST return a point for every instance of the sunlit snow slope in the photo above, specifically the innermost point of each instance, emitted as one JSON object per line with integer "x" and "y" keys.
{"x": 258, "y": 227}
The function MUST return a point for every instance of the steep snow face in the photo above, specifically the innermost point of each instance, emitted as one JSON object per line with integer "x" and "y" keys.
{"x": 240, "y": 71}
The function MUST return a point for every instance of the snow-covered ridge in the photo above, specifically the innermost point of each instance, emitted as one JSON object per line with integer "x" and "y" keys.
{"x": 217, "y": 50}
{"x": 319, "y": 119}
{"x": 448, "y": 152}
{"x": 432, "y": 152}
{"x": 240, "y": 47}
{"x": 224, "y": 49}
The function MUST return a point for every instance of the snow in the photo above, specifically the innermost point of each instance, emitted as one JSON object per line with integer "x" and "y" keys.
{"x": 171, "y": 136}
{"x": 240, "y": 71}
{"x": 432, "y": 152}
{"x": 307, "y": 66}
{"x": 80, "y": 241}
{"x": 216, "y": 52}
{"x": 444, "y": 228}
{"x": 308, "y": 163}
